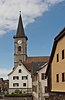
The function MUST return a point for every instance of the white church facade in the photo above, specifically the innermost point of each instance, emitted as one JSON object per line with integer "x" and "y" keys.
{"x": 20, "y": 79}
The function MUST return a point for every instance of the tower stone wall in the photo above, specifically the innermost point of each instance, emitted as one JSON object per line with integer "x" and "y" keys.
{"x": 20, "y": 44}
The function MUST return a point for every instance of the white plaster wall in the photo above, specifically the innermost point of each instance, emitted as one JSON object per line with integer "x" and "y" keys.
{"x": 43, "y": 82}
{"x": 25, "y": 72}
{"x": 35, "y": 94}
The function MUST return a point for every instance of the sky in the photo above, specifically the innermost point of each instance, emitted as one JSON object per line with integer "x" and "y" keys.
{"x": 42, "y": 21}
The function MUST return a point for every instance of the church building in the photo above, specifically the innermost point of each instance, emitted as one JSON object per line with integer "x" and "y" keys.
{"x": 20, "y": 76}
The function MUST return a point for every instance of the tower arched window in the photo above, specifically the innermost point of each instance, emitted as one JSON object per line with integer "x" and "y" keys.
{"x": 19, "y": 48}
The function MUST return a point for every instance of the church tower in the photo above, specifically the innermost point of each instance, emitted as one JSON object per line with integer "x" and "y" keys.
{"x": 20, "y": 44}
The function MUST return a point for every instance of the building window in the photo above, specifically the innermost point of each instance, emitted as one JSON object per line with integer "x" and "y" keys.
{"x": 57, "y": 77}
{"x": 57, "y": 57}
{"x": 46, "y": 89}
{"x": 20, "y": 71}
{"x": 24, "y": 84}
{"x": 62, "y": 54}
{"x": 15, "y": 77}
{"x": 19, "y": 48}
{"x": 63, "y": 77}
{"x": 42, "y": 76}
{"x": 15, "y": 84}
{"x": 24, "y": 77}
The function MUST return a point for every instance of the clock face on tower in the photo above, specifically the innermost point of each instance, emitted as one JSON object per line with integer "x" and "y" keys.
{"x": 19, "y": 42}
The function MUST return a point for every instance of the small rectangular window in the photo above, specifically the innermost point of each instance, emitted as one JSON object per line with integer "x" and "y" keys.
{"x": 24, "y": 84}
{"x": 16, "y": 77}
{"x": 62, "y": 54}
{"x": 46, "y": 89}
{"x": 63, "y": 77}
{"x": 15, "y": 84}
{"x": 57, "y": 77}
{"x": 57, "y": 57}
{"x": 24, "y": 77}
{"x": 42, "y": 76}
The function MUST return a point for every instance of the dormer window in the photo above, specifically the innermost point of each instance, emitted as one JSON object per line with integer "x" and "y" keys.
{"x": 19, "y": 48}
{"x": 20, "y": 70}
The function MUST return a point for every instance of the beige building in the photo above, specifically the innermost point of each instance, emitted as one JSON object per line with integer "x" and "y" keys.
{"x": 56, "y": 68}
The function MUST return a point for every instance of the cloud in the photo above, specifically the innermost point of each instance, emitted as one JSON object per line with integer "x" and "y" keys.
{"x": 52, "y": 2}
{"x": 4, "y": 73}
{"x": 31, "y": 9}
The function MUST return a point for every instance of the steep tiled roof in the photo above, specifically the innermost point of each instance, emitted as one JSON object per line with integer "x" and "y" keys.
{"x": 34, "y": 63}
{"x": 37, "y": 59}
{"x": 28, "y": 66}
{"x": 36, "y": 67}
{"x": 57, "y": 38}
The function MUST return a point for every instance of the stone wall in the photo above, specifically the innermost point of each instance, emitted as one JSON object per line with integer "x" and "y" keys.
{"x": 17, "y": 98}
{"x": 22, "y": 90}
{"x": 57, "y": 96}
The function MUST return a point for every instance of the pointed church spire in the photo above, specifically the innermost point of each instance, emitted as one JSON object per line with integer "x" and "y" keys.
{"x": 20, "y": 30}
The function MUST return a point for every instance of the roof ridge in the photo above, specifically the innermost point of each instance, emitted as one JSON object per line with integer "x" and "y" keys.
{"x": 60, "y": 33}
{"x": 37, "y": 56}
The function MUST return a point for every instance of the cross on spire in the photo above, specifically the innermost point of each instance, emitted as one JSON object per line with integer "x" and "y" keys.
{"x": 20, "y": 12}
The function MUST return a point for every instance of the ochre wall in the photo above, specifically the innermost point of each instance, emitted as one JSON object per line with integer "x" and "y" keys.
{"x": 58, "y": 67}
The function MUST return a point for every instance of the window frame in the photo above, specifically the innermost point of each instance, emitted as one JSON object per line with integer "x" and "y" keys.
{"x": 42, "y": 76}
{"x": 63, "y": 77}
{"x": 63, "y": 54}
{"x": 57, "y": 57}
{"x": 15, "y": 77}
{"x": 24, "y": 77}
{"x": 15, "y": 84}
{"x": 24, "y": 85}
{"x": 57, "y": 78}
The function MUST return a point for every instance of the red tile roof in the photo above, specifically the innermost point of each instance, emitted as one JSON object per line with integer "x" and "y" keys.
{"x": 37, "y": 59}
{"x": 28, "y": 66}
{"x": 30, "y": 60}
